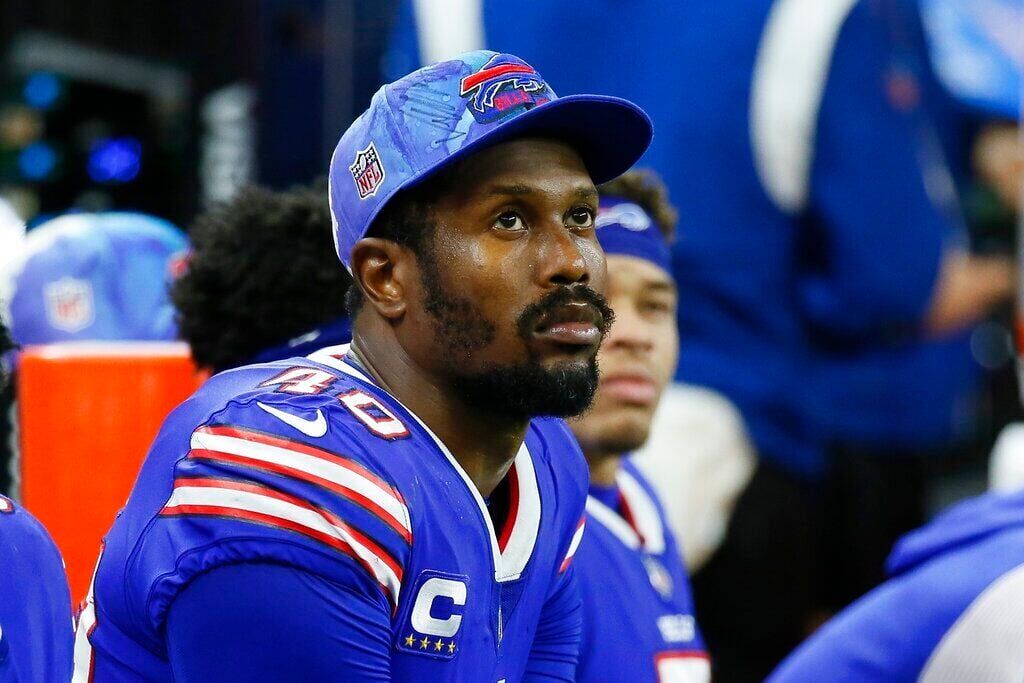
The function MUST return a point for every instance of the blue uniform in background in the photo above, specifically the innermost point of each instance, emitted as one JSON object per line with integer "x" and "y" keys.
{"x": 36, "y": 633}
{"x": 638, "y": 620}
{"x": 294, "y": 521}
{"x": 951, "y": 610}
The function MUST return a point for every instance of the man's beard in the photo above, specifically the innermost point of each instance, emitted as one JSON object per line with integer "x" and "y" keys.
{"x": 524, "y": 389}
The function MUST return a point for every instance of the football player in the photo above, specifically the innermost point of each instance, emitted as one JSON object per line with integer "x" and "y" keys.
{"x": 391, "y": 510}
{"x": 36, "y": 634}
{"x": 638, "y": 621}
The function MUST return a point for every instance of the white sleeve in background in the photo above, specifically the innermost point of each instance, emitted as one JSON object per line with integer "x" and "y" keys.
{"x": 447, "y": 28}
{"x": 986, "y": 644}
{"x": 699, "y": 458}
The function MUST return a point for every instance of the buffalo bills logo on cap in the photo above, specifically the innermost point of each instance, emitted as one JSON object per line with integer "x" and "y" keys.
{"x": 69, "y": 304}
{"x": 505, "y": 84}
{"x": 367, "y": 172}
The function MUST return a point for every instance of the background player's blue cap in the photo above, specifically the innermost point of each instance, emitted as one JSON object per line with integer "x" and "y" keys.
{"x": 978, "y": 52}
{"x": 102, "y": 276}
{"x": 443, "y": 112}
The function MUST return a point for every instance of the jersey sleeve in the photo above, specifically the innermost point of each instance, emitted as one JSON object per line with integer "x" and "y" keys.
{"x": 280, "y": 480}
{"x": 300, "y": 626}
{"x": 878, "y": 230}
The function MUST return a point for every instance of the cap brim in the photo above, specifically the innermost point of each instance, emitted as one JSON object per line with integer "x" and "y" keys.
{"x": 609, "y": 133}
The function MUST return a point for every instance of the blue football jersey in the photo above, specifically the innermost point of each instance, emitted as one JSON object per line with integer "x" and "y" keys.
{"x": 307, "y": 463}
{"x": 950, "y": 611}
{"x": 35, "y": 604}
{"x": 638, "y": 621}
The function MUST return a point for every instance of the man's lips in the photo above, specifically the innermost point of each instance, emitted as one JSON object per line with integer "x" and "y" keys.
{"x": 636, "y": 389}
{"x": 573, "y": 324}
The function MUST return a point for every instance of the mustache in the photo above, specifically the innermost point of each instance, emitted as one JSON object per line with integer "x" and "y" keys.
{"x": 573, "y": 294}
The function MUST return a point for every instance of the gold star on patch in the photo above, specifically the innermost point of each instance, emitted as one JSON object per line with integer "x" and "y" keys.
{"x": 451, "y": 647}
{"x": 438, "y": 645}
{"x": 424, "y": 643}
{"x": 409, "y": 640}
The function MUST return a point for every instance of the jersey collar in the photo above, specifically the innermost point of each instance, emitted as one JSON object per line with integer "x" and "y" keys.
{"x": 639, "y": 526}
{"x": 512, "y": 551}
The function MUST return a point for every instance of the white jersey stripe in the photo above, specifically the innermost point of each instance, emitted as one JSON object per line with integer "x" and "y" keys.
{"x": 574, "y": 544}
{"x": 186, "y": 496}
{"x": 309, "y": 464}
{"x": 613, "y": 522}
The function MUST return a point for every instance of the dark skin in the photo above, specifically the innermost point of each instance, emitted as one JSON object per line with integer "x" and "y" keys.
{"x": 515, "y": 224}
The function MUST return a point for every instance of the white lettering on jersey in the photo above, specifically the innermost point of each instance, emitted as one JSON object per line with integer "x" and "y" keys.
{"x": 378, "y": 419}
{"x": 301, "y": 380}
{"x": 677, "y": 628}
{"x": 431, "y": 590}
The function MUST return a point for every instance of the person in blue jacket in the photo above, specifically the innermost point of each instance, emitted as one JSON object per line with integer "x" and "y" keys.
{"x": 950, "y": 610}
{"x": 36, "y": 631}
{"x": 638, "y": 617}
{"x": 808, "y": 212}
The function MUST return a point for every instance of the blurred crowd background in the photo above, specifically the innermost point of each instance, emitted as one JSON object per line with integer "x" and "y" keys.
{"x": 847, "y": 176}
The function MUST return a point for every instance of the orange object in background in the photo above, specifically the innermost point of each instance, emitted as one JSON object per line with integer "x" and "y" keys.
{"x": 88, "y": 413}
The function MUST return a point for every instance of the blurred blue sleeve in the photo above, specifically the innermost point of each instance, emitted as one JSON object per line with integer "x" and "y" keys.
{"x": 876, "y": 234}
{"x": 556, "y": 645}
{"x": 249, "y": 622}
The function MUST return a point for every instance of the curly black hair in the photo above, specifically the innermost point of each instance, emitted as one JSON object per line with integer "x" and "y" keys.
{"x": 263, "y": 270}
{"x": 645, "y": 187}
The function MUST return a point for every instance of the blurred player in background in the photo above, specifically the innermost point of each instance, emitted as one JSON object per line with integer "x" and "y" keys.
{"x": 950, "y": 610}
{"x": 389, "y": 510}
{"x": 36, "y": 634}
{"x": 262, "y": 281}
{"x": 638, "y": 621}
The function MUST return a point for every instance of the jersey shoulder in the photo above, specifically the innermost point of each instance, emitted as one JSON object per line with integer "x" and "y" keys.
{"x": 287, "y": 463}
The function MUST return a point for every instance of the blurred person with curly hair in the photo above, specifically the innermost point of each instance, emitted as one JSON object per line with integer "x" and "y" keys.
{"x": 258, "y": 280}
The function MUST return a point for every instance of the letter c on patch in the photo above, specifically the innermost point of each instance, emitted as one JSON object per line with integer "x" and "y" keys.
{"x": 431, "y": 590}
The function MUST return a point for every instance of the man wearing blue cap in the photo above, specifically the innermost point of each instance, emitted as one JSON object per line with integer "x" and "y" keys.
{"x": 390, "y": 510}
{"x": 35, "y": 605}
{"x": 638, "y": 621}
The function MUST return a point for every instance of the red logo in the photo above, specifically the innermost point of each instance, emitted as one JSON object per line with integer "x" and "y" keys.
{"x": 69, "y": 304}
{"x": 367, "y": 172}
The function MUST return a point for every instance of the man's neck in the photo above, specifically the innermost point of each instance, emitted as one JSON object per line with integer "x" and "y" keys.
{"x": 603, "y": 467}
{"x": 484, "y": 444}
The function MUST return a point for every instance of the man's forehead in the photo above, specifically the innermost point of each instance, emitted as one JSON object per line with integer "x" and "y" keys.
{"x": 522, "y": 167}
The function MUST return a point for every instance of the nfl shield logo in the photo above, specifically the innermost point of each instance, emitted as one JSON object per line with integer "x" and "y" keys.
{"x": 69, "y": 304}
{"x": 367, "y": 172}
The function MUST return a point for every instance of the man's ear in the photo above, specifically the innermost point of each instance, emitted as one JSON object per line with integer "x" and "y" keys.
{"x": 382, "y": 269}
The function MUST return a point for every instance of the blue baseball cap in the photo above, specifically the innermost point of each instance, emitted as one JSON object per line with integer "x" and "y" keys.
{"x": 441, "y": 113}
{"x": 977, "y": 51}
{"x": 625, "y": 228}
{"x": 102, "y": 276}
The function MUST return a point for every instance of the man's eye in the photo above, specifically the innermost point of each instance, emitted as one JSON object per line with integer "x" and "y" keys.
{"x": 509, "y": 221}
{"x": 581, "y": 217}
